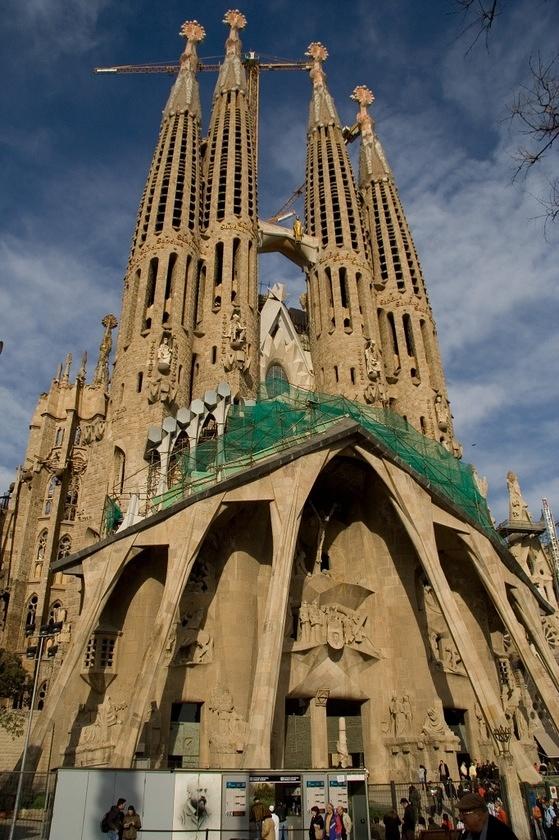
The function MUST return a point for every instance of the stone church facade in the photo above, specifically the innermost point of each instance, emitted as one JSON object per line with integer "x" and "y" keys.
{"x": 257, "y": 531}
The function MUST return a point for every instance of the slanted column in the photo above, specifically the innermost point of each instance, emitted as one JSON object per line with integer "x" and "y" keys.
{"x": 414, "y": 508}
{"x": 291, "y": 485}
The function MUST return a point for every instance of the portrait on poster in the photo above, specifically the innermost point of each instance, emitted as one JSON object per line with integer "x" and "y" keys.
{"x": 197, "y": 804}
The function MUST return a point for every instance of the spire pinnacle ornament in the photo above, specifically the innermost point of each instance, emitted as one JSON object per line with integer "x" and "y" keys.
{"x": 101, "y": 376}
{"x": 194, "y": 33}
{"x": 236, "y": 20}
{"x": 319, "y": 54}
{"x": 232, "y": 73}
{"x": 371, "y": 148}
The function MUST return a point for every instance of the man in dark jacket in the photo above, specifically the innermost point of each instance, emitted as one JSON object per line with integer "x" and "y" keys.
{"x": 478, "y": 822}
{"x": 115, "y": 818}
{"x": 410, "y": 818}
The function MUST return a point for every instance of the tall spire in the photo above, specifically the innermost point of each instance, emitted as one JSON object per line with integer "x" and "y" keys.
{"x": 153, "y": 362}
{"x": 412, "y": 365}
{"x": 345, "y": 345}
{"x": 322, "y": 110}
{"x": 226, "y": 309}
{"x": 372, "y": 161}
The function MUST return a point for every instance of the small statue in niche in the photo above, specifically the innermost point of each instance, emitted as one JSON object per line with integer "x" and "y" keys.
{"x": 236, "y": 358}
{"x": 372, "y": 361}
{"x": 164, "y": 356}
{"x": 237, "y": 332}
{"x": 442, "y": 412}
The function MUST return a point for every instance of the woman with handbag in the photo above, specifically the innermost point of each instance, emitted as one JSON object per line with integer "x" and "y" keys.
{"x": 316, "y": 828}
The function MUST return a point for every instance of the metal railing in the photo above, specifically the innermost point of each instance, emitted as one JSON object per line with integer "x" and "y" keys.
{"x": 35, "y": 811}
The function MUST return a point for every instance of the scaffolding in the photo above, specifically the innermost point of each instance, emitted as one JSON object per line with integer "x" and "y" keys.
{"x": 276, "y": 421}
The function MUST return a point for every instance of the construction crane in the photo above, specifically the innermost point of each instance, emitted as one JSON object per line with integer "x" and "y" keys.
{"x": 253, "y": 66}
{"x": 552, "y": 534}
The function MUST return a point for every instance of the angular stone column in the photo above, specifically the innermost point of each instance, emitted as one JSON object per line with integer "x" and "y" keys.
{"x": 99, "y": 582}
{"x": 319, "y": 730}
{"x": 291, "y": 485}
{"x": 191, "y": 526}
{"x": 414, "y": 507}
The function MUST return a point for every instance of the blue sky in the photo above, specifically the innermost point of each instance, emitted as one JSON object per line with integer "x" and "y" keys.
{"x": 75, "y": 150}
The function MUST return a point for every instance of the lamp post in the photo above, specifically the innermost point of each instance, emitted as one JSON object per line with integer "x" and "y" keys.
{"x": 46, "y": 631}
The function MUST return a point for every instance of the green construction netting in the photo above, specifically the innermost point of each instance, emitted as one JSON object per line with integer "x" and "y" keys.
{"x": 112, "y": 515}
{"x": 277, "y": 421}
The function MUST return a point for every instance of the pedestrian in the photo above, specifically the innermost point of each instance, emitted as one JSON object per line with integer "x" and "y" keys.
{"x": 378, "y": 831}
{"x": 257, "y": 812}
{"x": 131, "y": 824}
{"x": 346, "y": 822}
{"x": 409, "y": 820}
{"x": 478, "y": 822}
{"x": 281, "y": 811}
{"x": 316, "y": 827}
{"x": 330, "y": 822}
{"x": 267, "y": 828}
{"x": 414, "y": 797}
{"x": 446, "y": 823}
{"x": 113, "y": 819}
{"x": 392, "y": 823}
{"x": 275, "y": 820}
{"x": 422, "y": 773}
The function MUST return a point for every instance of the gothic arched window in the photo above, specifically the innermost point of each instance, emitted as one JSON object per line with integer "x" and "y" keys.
{"x": 64, "y": 547}
{"x": 77, "y": 436}
{"x": 59, "y": 436}
{"x": 42, "y": 694}
{"x": 51, "y": 488}
{"x": 71, "y": 499}
{"x": 56, "y": 612}
{"x": 42, "y": 546}
{"x": 31, "y": 615}
{"x": 276, "y": 380}
{"x": 119, "y": 467}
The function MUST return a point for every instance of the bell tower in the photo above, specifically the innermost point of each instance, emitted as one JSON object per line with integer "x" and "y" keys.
{"x": 226, "y": 321}
{"x": 344, "y": 343}
{"x": 154, "y": 352}
{"x": 412, "y": 363}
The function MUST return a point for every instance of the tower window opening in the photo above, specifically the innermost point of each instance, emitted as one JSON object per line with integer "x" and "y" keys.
{"x": 200, "y": 291}
{"x": 218, "y": 274}
{"x": 150, "y": 289}
{"x": 393, "y": 337}
{"x": 185, "y": 289}
{"x": 170, "y": 275}
{"x": 423, "y": 425}
{"x": 352, "y": 375}
{"x": 132, "y": 303}
{"x": 59, "y": 436}
{"x": 71, "y": 499}
{"x": 336, "y": 373}
{"x": 408, "y": 333}
{"x": 139, "y": 382}
{"x": 119, "y": 468}
{"x": 214, "y": 355}
{"x": 342, "y": 273}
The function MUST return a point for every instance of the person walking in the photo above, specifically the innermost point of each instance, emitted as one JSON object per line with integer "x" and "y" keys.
{"x": 275, "y": 820}
{"x": 346, "y": 822}
{"x": 131, "y": 824}
{"x": 330, "y": 822}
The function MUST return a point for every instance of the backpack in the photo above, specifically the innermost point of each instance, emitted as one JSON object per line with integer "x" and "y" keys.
{"x": 105, "y": 824}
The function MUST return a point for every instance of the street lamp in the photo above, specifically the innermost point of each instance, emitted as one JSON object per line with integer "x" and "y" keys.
{"x": 46, "y": 632}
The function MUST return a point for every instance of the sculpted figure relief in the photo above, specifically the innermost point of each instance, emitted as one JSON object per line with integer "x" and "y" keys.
{"x": 228, "y": 728}
{"x": 435, "y": 726}
{"x": 334, "y": 625}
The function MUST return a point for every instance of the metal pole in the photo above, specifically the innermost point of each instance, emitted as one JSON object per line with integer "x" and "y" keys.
{"x": 26, "y": 742}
